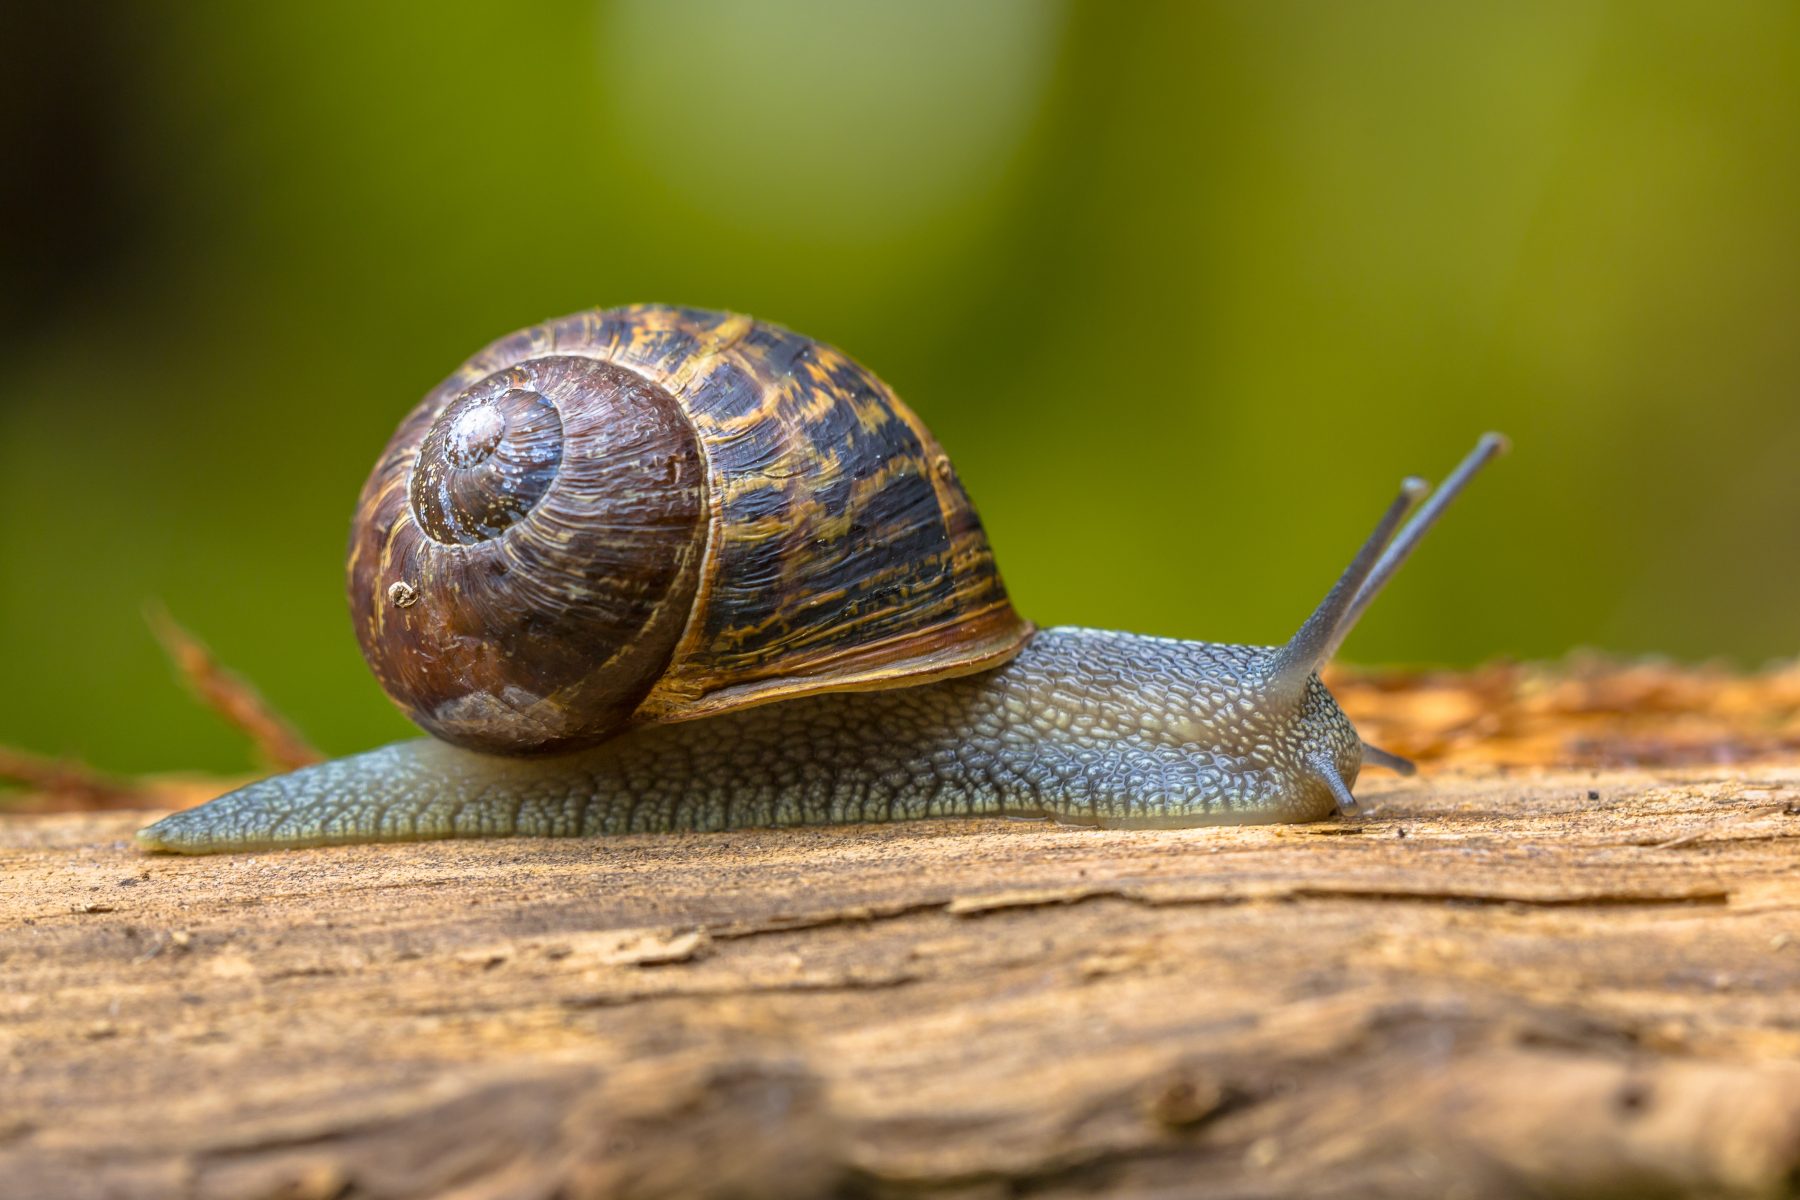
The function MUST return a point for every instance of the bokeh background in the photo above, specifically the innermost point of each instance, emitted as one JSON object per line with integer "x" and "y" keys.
{"x": 1185, "y": 288}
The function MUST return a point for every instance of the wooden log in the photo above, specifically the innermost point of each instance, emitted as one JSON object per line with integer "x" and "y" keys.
{"x": 1494, "y": 983}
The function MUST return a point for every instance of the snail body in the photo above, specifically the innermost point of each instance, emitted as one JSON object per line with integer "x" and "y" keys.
{"x": 653, "y": 568}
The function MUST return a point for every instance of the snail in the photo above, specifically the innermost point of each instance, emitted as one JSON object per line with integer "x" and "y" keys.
{"x": 655, "y": 568}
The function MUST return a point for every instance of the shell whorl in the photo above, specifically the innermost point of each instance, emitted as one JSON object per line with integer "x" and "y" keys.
{"x": 651, "y": 514}
{"x": 543, "y": 527}
{"x": 486, "y": 462}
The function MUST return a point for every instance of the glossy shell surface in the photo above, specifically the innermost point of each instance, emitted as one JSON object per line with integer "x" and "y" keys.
{"x": 649, "y": 514}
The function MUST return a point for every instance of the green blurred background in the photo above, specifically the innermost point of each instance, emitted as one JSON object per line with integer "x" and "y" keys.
{"x": 1185, "y": 289}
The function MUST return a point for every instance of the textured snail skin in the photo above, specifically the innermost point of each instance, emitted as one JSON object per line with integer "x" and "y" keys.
{"x": 1084, "y": 726}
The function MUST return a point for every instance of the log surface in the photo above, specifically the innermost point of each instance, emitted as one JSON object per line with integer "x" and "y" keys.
{"x": 1492, "y": 983}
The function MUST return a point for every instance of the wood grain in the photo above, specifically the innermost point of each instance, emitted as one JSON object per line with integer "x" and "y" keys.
{"x": 1495, "y": 983}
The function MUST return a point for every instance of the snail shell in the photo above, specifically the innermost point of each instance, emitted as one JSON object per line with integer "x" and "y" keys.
{"x": 650, "y": 514}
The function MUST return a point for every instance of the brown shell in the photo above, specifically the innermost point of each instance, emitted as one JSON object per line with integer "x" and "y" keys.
{"x": 652, "y": 514}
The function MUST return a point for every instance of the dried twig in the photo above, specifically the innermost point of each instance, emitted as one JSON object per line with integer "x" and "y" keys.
{"x": 230, "y": 695}
{"x": 63, "y": 785}
{"x": 74, "y": 784}
{"x": 60, "y": 784}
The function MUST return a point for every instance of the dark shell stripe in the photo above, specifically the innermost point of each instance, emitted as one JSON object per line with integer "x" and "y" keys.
{"x": 844, "y": 553}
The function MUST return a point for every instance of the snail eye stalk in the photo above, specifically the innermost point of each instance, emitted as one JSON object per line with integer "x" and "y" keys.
{"x": 1490, "y": 447}
{"x": 1312, "y": 646}
{"x": 1381, "y": 556}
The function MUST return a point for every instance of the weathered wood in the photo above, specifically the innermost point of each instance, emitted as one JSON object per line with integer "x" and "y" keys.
{"x": 1496, "y": 983}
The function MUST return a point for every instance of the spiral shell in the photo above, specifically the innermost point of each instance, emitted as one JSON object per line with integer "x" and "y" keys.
{"x": 652, "y": 514}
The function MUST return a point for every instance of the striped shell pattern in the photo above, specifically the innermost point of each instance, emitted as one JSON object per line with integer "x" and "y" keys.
{"x": 651, "y": 514}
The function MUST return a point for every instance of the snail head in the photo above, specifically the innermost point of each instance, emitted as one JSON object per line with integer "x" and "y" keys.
{"x": 1289, "y": 682}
